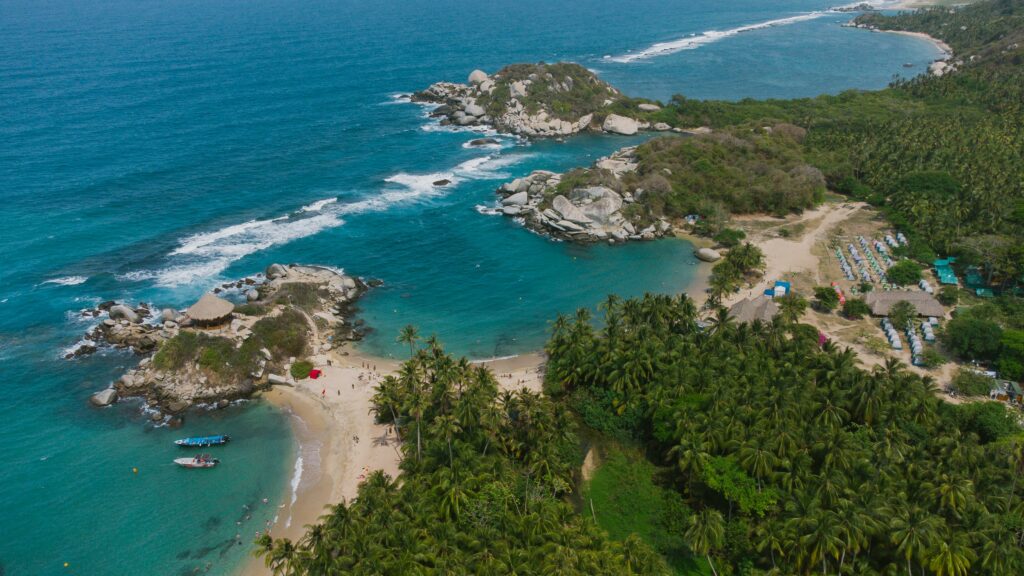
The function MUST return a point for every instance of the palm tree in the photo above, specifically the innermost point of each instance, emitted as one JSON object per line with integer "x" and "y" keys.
{"x": 952, "y": 556}
{"x": 448, "y": 426}
{"x": 913, "y": 530}
{"x": 409, "y": 335}
{"x": 418, "y": 405}
{"x": 706, "y": 534}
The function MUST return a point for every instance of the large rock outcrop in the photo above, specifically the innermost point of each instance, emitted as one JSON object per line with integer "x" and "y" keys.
{"x": 319, "y": 301}
{"x": 535, "y": 100}
{"x": 582, "y": 214}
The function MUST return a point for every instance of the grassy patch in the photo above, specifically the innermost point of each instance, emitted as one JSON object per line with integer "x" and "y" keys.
{"x": 251, "y": 310}
{"x": 297, "y": 294}
{"x": 627, "y": 500}
{"x": 300, "y": 369}
{"x": 285, "y": 335}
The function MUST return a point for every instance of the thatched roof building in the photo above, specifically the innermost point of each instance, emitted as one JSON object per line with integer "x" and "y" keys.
{"x": 882, "y": 302}
{"x": 747, "y": 310}
{"x": 210, "y": 310}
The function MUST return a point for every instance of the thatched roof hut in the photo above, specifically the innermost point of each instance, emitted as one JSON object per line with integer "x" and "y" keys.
{"x": 748, "y": 310}
{"x": 210, "y": 310}
{"x": 882, "y": 302}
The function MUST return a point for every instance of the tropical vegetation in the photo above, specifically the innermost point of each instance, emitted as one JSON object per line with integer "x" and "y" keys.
{"x": 789, "y": 457}
{"x": 484, "y": 478}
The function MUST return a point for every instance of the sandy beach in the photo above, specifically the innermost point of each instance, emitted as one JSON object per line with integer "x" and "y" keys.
{"x": 338, "y": 442}
{"x": 946, "y": 49}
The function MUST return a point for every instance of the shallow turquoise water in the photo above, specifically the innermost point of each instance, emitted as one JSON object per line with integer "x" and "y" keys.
{"x": 149, "y": 149}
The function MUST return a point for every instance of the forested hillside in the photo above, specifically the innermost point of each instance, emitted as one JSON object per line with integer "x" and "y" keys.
{"x": 790, "y": 458}
{"x": 964, "y": 130}
{"x": 484, "y": 480}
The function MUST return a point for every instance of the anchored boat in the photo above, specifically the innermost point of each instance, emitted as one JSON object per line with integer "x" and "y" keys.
{"x": 203, "y": 441}
{"x": 198, "y": 461}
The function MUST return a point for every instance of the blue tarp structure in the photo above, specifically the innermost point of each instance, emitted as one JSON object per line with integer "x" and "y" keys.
{"x": 944, "y": 270}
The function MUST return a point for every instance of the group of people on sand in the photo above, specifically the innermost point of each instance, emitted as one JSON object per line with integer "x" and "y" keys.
{"x": 510, "y": 376}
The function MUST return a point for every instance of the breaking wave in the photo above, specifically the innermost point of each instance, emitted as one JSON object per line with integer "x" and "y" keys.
{"x": 697, "y": 40}
{"x": 203, "y": 256}
{"x": 67, "y": 280}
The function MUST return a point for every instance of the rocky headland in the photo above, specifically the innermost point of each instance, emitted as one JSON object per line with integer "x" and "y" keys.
{"x": 216, "y": 352}
{"x": 583, "y": 210}
{"x": 538, "y": 100}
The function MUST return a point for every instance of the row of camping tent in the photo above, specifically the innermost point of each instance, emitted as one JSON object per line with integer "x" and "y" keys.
{"x": 844, "y": 264}
{"x": 891, "y": 334}
{"x": 875, "y": 266}
{"x": 916, "y": 345}
{"x": 859, "y": 260}
{"x": 883, "y": 253}
{"x": 899, "y": 240}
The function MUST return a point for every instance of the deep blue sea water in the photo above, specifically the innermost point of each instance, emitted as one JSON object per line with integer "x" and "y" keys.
{"x": 151, "y": 148}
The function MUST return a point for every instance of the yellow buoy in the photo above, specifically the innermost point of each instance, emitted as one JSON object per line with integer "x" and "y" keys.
{"x": 135, "y": 470}
{"x": 66, "y": 564}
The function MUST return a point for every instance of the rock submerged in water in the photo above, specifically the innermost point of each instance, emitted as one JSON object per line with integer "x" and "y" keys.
{"x": 104, "y": 397}
{"x": 483, "y": 142}
{"x": 442, "y": 182}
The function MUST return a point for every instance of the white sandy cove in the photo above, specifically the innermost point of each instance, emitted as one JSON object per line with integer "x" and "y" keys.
{"x": 339, "y": 442}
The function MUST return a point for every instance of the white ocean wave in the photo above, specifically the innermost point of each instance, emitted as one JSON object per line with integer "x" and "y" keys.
{"x": 487, "y": 210}
{"x": 318, "y": 205}
{"x": 204, "y": 256}
{"x": 67, "y": 280}
{"x": 697, "y": 40}
{"x": 435, "y": 126}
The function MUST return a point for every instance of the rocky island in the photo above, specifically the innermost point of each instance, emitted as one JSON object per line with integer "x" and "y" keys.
{"x": 538, "y": 100}
{"x": 216, "y": 352}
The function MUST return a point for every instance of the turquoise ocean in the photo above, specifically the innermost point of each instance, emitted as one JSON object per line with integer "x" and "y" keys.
{"x": 149, "y": 149}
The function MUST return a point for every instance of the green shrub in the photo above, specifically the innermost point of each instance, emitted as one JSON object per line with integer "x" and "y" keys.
{"x": 970, "y": 383}
{"x": 948, "y": 295}
{"x": 177, "y": 351}
{"x": 825, "y": 299}
{"x": 729, "y": 237}
{"x": 989, "y": 420}
{"x": 904, "y": 272}
{"x": 299, "y": 294}
{"x": 1011, "y": 355}
{"x": 972, "y": 338}
{"x": 300, "y": 369}
{"x": 856, "y": 308}
{"x": 902, "y": 313}
{"x": 284, "y": 335}
{"x": 251, "y": 309}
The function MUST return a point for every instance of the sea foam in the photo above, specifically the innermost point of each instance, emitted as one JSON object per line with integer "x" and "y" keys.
{"x": 203, "y": 256}
{"x": 697, "y": 40}
{"x": 67, "y": 280}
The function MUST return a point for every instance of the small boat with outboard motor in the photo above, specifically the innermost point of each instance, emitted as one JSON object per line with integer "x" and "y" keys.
{"x": 203, "y": 441}
{"x": 197, "y": 461}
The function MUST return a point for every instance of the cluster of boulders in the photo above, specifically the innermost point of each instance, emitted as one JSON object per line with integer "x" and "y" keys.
{"x": 169, "y": 392}
{"x": 583, "y": 214}
{"x": 124, "y": 326}
{"x": 464, "y": 105}
{"x": 458, "y": 106}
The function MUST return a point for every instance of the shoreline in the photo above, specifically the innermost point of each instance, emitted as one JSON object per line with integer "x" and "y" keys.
{"x": 947, "y": 51}
{"x": 337, "y": 439}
